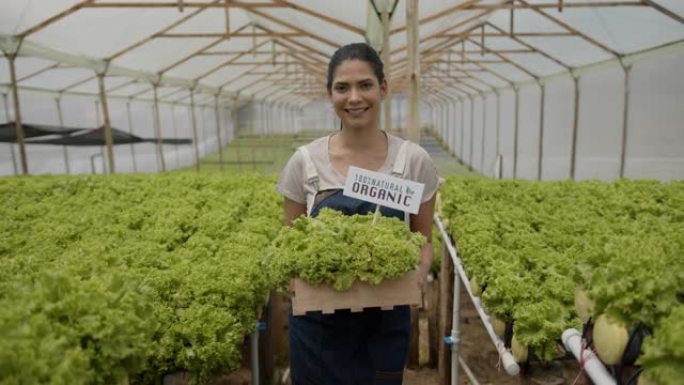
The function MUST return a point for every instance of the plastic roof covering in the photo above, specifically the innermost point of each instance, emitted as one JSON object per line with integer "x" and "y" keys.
{"x": 143, "y": 38}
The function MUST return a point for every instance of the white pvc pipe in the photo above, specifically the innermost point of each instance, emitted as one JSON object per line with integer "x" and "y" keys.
{"x": 469, "y": 373}
{"x": 455, "y": 332}
{"x": 509, "y": 364}
{"x": 572, "y": 340}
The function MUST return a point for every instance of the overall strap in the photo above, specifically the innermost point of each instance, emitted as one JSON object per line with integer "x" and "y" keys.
{"x": 400, "y": 160}
{"x": 398, "y": 171}
{"x": 311, "y": 177}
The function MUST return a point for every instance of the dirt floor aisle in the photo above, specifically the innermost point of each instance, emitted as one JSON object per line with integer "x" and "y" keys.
{"x": 479, "y": 354}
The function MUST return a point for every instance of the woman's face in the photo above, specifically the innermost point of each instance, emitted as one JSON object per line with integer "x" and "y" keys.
{"x": 356, "y": 94}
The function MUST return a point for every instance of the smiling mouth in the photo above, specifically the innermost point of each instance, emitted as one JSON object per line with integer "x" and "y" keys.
{"x": 356, "y": 111}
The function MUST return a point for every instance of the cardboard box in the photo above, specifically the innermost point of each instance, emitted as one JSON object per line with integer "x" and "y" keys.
{"x": 386, "y": 295}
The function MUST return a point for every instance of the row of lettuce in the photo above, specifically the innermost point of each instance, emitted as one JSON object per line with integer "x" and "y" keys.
{"x": 118, "y": 279}
{"x": 554, "y": 255}
{"x": 123, "y": 279}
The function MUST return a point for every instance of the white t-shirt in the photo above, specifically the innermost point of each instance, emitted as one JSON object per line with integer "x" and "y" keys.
{"x": 293, "y": 184}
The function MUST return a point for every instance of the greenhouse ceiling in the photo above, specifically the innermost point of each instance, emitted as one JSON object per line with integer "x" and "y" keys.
{"x": 278, "y": 50}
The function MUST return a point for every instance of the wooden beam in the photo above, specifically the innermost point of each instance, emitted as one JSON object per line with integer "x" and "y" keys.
{"x": 197, "y": 4}
{"x": 453, "y": 84}
{"x": 123, "y": 85}
{"x": 109, "y": 141}
{"x": 227, "y": 63}
{"x": 227, "y": 53}
{"x": 487, "y": 49}
{"x": 295, "y": 28}
{"x": 78, "y": 83}
{"x": 469, "y": 75}
{"x": 241, "y": 75}
{"x": 267, "y": 62}
{"x": 322, "y": 56}
{"x": 19, "y": 128}
{"x": 54, "y": 18}
{"x": 323, "y": 17}
{"x": 413, "y": 78}
{"x": 608, "y": 4}
{"x": 387, "y": 102}
{"x": 194, "y": 129}
{"x": 439, "y": 14}
{"x": 663, "y": 10}
{"x": 529, "y": 46}
{"x": 38, "y": 72}
{"x": 197, "y": 52}
{"x": 493, "y": 73}
{"x": 445, "y": 30}
{"x": 166, "y": 29}
{"x": 509, "y": 61}
{"x": 441, "y": 61}
{"x": 573, "y": 30}
{"x": 227, "y": 35}
{"x": 258, "y": 80}
{"x": 157, "y": 129}
{"x": 520, "y": 34}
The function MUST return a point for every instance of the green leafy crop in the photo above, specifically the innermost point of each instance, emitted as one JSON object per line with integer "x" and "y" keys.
{"x": 337, "y": 250}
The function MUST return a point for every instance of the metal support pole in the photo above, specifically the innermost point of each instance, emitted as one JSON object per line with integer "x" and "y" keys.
{"x": 98, "y": 123}
{"x": 498, "y": 123}
{"x": 454, "y": 136}
{"x": 130, "y": 131}
{"x": 194, "y": 128}
{"x": 399, "y": 122}
{"x": 234, "y": 119}
{"x": 60, "y": 116}
{"x": 218, "y": 131}
{"x": 462, "y": 154}
{"x": 107, "y": 125}
{"x": 250, "y": 116}
{"x": 498, "y": 158}
{"x": 387, "y": 104}
{"x": 484, "y": 129}
{"x": 203, "y": 127}
{"x": 175, "y": 133}
{"x": 625, "y": 121}
{"x": 505, "y": 356}
{"x": 472, "y": 132}
{"x": 445, "y": 116}
{"x": 17, "y": 114}
{"x": 540, "y": 161}
{"x": 449, "y": 134}
{"x": 10, "y": 144}
{"x": 161, "y": 163}
{"x": 515, "y": 131}
{"x": 455, "y": 333}
{"x": 413, "y": 57}
{"x": 575, "y": 122}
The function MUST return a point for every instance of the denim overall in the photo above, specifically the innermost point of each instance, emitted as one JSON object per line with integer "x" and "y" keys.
{"x": 345, "y": 348}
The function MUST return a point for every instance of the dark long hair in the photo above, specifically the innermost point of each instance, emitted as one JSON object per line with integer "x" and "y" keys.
{"x": 355, "y": 51}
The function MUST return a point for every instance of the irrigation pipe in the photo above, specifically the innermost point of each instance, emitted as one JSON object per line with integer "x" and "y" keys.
{"x": 572, "y": 340}
{"x": 469, "y": 373}
{"x": 509, "y": 364}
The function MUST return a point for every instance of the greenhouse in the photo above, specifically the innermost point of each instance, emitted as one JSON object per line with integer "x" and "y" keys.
{"x": 167, "y": 168}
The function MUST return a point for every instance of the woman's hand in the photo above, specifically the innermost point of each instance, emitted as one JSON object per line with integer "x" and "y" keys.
{"x": 424, "y": 267}
{"x": 422, "y": 222}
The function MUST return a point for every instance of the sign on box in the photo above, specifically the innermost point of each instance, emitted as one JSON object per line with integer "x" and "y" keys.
{"x": 384, "y": 190}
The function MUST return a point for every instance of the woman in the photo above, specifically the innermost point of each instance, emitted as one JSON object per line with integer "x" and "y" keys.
{"x": 369, "y": 347}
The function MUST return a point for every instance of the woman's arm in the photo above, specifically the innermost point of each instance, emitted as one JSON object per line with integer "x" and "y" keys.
{"x": 293, "y": 210}
{"x": 423, "y": 222}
